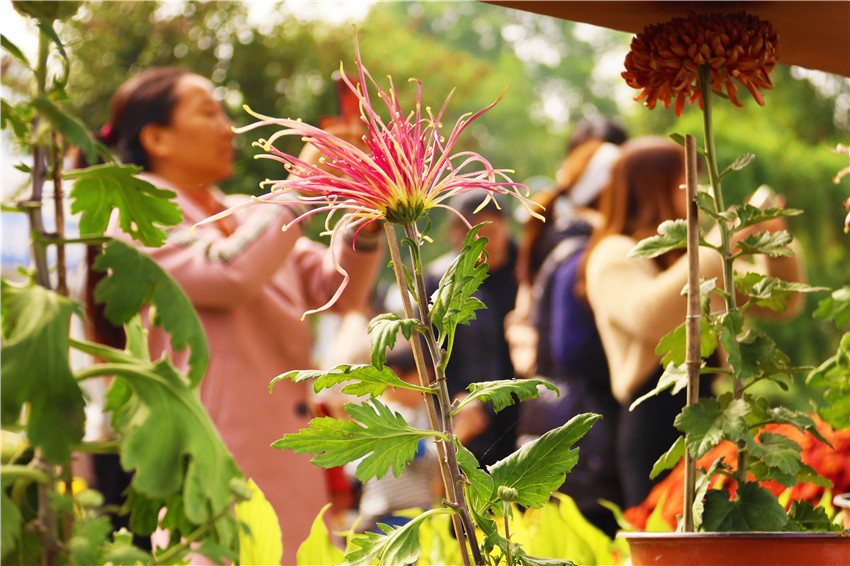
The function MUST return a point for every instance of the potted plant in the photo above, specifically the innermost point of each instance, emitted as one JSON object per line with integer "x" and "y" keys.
{"x": 692, "y": 59}
{"x": 406, "y": 170}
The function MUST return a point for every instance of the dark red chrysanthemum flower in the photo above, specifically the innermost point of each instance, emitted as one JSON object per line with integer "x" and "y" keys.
{"x": 664, "y": 60}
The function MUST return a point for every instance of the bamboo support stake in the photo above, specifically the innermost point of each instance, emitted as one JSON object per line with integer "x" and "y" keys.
{"x": 693, "y": 360}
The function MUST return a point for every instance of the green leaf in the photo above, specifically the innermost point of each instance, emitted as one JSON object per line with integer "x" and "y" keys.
{"x": 396, "y": 546}
{"x": 171, "y": 441}
{"x": 12, "y": 116}
{"x": 673, "y": 235}
{"x": 481, "y": 487}
{"x": 836, "y": 307}
{"x": 831, "y": 378}
{"x": 776, "y": 451}
{"x": 754, "y": 509}
{"x": 14, "y": 51}
{"x": 672, "y": 347}
{"x": 674, "y": 376}
{"x": 539, "y": 467}
{"x": 383, "y": 440}
{"x": 669, "y": 459}
{"x": 802, "y": 421}
{"x": 739, "y": 164}
{"x": 260, "y": 536}
{"x": 89, "y": 536}
{"x": 383, "y": 330}
{"x": 773, "y": 244}
{"x": 142, "y": 207}
{"x": 35, "y": 369}
{"x": 707, "y": 422}
{"x": 750, "y": 215}
{"x": 316, "y": 549}
{"x": 501, "y": 393}
{"x": 71, "y": 128}
{"x": 812, "y": 519}
{"x": 368, "y": 380}
{"x": 453, "y": 302}
{"x": 10, "y": 518}
{"x": 771, "y": 292}
{"x": 135, "y": 279}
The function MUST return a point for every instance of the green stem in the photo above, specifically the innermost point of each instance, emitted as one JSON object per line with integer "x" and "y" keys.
{"x": 186, "y": 542}
{"x": 725, "y": 235}
{"x": 443, "y": 397}
{"x": 34, "y": 203}
{"x": 27, "y": 472}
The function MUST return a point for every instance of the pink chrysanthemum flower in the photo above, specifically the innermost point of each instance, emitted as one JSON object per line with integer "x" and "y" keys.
{"x": 408, "y": 168}
{"x": 664, "y": 59}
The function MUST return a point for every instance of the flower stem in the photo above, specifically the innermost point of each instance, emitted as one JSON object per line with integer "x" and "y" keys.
{"x": 725, "y": 235}
{"x": 439, "y": 421}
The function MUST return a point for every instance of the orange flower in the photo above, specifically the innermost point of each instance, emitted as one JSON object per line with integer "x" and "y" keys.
{"x": 664, "y": 60}
{"x": 829, "y": 462}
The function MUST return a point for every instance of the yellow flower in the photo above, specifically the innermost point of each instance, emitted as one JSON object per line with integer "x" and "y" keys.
{"x": 665, "y": 58}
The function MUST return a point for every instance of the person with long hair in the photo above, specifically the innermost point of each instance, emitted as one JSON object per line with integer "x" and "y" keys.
{"x": 637, "y": 301}
{"x": 555, "y": 320}
{"x": 249, "y": 281}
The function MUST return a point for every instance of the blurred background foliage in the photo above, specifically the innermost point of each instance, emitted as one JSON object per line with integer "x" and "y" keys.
{"x": 280, "y": 58}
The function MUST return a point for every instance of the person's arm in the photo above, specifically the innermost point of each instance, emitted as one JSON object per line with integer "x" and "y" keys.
{"x": 218, "y": 271}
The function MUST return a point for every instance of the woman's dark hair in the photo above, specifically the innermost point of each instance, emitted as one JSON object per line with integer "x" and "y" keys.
{"x": 147, "y": 98}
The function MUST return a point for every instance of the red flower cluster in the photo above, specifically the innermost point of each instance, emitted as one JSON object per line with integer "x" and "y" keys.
{"x": 664, "y": 60}
{"x": 829, "y": 462}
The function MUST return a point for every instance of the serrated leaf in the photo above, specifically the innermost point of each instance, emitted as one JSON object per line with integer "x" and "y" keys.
{"x": 171, "y": 442}
{"x": 539, "y": 467}
{"x": 802, "y": 421}
{"x": 773, "y": 244}
{"x": 368, "y": 380}
{"x": 809, "y": 518}
{"x": 674, "y": 376}
{"x": 481, "y": 486}
{"x": 754, "y": 509}
{"x": 135, "y": 279}
{"x": 707, "y": 422}
{"x": 396, "y": 546}
{"x": 836, "y": 307}
{"x": 71, "y": 128}
{"x": 750, "y": 215}
{"x": 738, "y": 164}
{"x": 673, "y": 346}
{"x": 669, "y": 459}
{"x": 452, "y": 302}
{"x": 142, "y": 207}
{"x": 377, "y": 434}
{"x": 771, "y": 292}
{"x": 260, "y": 535}
{"x": 383, "y": 330}
{"x": 672, "y": 235}
{"x": 776, "y": 451}
{"x": 706, "y": 203}
{"x": 500, "y": 393}
{"x": 35, "y": 369}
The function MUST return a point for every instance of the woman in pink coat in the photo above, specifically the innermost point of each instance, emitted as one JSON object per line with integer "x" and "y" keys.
{"x": 250, "y": 282}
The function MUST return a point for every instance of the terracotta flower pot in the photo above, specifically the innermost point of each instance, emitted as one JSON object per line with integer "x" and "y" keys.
{"x": 751, "y": 549}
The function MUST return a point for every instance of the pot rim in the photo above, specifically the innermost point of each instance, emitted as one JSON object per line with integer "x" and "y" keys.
{"x": 732, "y": 535}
